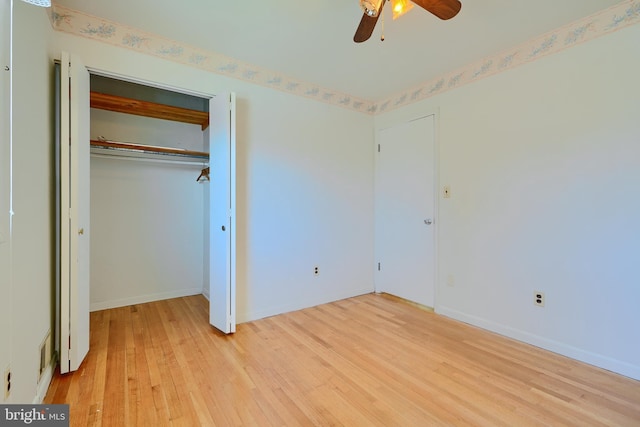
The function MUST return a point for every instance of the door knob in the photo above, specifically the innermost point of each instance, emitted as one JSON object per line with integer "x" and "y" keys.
{"x": 223, "y": 228}
{"x": 428, "y": 221}
{"x": 81, "y": 231}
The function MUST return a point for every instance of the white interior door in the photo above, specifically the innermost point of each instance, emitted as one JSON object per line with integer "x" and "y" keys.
{"x": 74, "y": 216}
{"x": 222, "y": 208}
{"x": 404, "y": 211}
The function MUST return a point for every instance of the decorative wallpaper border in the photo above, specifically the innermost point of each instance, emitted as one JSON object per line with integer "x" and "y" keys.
{"x": 105, "y": 31}
{"x": 606, "y": 21}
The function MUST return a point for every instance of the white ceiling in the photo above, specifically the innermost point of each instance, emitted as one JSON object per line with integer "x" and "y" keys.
{"x": 313, "y": 40}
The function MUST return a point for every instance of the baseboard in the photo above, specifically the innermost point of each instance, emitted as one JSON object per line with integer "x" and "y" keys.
{"x": 141, "y": 299}
{"x": 595, "y": 359}
{"x": 298, "y": 305}
{"x": 405, "y": 301}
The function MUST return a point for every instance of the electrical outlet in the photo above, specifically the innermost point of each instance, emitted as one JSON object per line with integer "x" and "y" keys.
{"x": 446, "y": 191}
{"x": 316, "y": 271}
{"x": 451, "y": 281}
{"x": 538, "y": 298}
{"x": 7, "y": 383}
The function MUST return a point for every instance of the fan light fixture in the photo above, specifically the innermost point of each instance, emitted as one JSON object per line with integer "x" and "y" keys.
{"x": 371, "y": 7}
{"x": 41, "y": 3}
{"x": 443, "y": 9}
{"x": 400, "y": 7}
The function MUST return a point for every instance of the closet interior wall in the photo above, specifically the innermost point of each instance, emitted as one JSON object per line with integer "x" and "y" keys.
{"x": 147, "y": 217}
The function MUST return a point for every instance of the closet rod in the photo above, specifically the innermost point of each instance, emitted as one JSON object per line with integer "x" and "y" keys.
{"x": 159, "y": 159}
{"x": 127, "y": 146}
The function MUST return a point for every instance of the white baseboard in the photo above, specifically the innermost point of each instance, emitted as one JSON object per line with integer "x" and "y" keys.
{"x": 298, "y": 305}
{"x": 601, "y": 361}
{"x": 141, "y": 299}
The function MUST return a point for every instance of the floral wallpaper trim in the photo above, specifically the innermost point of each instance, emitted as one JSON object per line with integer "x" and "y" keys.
{"x": 92, "y": 27}
{"x": 608, "y": 20}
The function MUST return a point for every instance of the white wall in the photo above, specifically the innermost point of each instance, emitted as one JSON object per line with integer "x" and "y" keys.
{"x": 147, "y": 218}
{"x": 33, "y": 190}
{"x": 544, "y": 167}
{"x": 305, "y": 185}
{"x": 5, "y": 190}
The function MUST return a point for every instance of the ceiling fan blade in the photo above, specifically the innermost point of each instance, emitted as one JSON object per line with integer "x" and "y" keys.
{"x": 443, "y": 9}
{"x": 367, "y": 24}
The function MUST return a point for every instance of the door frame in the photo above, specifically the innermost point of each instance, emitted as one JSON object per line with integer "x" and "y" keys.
{"x": 151, "y": 83}
{"x": 233, "y": 220}
{"x": 390, "y": 120}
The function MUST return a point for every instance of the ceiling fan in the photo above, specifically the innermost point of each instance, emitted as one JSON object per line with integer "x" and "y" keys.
{"x": 443, "y": 9}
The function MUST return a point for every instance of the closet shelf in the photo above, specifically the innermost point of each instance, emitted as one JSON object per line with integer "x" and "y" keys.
{"x": 148, "y": 109}
{"x": 134, "y": 150}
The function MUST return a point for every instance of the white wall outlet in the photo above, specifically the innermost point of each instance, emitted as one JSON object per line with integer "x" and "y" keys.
{"x": 316, "y": 271}
{"x": 538, "y": 298}
{"x": 446, "y": 191}
{"x": 451, "y": 280}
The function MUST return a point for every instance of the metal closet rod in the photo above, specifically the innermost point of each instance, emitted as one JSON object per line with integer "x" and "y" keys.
{"x": 149, "y": 149}
{"x": 159, "y": 159}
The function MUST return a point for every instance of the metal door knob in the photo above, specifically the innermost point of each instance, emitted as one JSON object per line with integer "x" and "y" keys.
{"x": 223, "y": 228}
{"x": 428, "y": 221}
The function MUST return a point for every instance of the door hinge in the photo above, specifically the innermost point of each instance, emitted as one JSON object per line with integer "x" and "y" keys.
{"x": 378, "y": 148}
{"x": 378, "y": 266}
{"x": 69, "y": 342}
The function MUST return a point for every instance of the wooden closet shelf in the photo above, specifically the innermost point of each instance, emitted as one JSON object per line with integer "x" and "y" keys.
{"x": 148, "y": 109}
{"x": 148, "y": 149}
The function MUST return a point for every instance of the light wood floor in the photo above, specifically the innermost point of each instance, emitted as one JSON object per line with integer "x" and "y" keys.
{"x": 365, "y": 361}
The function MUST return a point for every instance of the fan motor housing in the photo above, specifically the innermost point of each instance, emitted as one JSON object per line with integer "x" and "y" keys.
{"x": 371, "y": 7}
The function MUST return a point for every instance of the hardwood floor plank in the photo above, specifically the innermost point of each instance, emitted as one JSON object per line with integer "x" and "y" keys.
{"x": 372, "y": 360}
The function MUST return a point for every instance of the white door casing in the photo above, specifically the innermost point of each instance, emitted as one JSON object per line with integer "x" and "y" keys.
{"x": 222, "y": 197}
{"x": 75, "y": 212}
{"x": 404, "y": 211}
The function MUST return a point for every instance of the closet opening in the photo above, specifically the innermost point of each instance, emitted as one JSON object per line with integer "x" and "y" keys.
{"x": 149, "y": 202}
{"x": 145, "y": 201}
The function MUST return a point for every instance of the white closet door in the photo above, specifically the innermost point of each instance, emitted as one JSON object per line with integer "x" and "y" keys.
{"x": 74, "y": 227}
{"x": 222, "y": 197}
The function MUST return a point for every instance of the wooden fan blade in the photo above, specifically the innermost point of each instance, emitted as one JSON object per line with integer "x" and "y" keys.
{"x": 367, "y": 24}
{"x": 443, "y": 9}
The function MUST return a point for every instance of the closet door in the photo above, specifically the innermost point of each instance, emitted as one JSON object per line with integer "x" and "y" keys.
{"x": 222, "y": 162}
{"x": 74, "y": 213}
